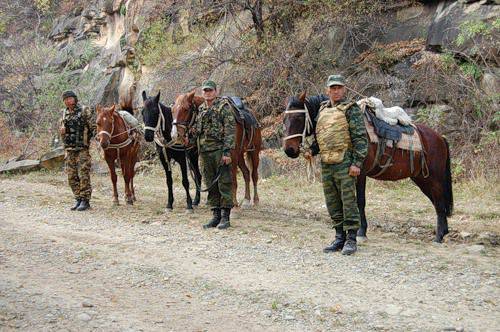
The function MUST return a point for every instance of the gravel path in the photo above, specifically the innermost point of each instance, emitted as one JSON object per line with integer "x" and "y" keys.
{"x": 130, "y": 268}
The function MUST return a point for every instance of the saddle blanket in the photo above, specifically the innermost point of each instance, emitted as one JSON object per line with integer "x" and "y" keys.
{"x": 407, "y": 142}
{"x": 131, "y": 121}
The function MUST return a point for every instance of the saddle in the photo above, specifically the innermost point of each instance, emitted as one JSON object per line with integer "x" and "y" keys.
{"x": 245, "y": 118}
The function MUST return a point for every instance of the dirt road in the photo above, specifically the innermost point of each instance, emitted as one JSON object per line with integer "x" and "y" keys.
{"x": 136, "y": 268}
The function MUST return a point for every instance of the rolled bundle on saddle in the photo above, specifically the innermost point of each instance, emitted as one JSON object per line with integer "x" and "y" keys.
{"x": 130, "y": 120}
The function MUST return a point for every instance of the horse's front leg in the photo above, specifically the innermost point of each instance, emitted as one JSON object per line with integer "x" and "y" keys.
{"x": 361, "y": 198}
{"x": 234, "y": 173}
{"x": 126, "y": 180}
{"x": 197, "y": 177}
{"x": 111, "y": 165}
{"x": 185, "y": 184}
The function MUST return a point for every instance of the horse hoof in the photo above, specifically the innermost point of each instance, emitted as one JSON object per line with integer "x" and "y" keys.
{"x": 116, "y": 203}
{"x": 130, "y": 202}
{"x": 361, "y": 239}
{"x": 189, "y": 211}
{"x": 167, "y": 210}
{"x": 246, "y": 204}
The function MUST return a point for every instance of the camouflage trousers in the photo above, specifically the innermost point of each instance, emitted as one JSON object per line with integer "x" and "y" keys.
{"x": 340, "y": 195}
{"x": 78, "y": 164}
{"x": 220, "y": 195}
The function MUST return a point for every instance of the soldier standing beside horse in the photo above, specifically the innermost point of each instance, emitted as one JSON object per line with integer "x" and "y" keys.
{"x": 77, "y": 128}
{"x": 214, "y": 133}
{"x": 342, "y": 142}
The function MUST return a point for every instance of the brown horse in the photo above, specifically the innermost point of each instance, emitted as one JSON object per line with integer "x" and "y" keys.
{"x": 185, "y": 110}
{"x": 116, "y": 140}
{"x": 433, "y": 176}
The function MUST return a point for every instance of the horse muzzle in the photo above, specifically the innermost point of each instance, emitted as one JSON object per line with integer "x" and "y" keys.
{"x": 149, "y": 135}
{"x": 292, "y": 152}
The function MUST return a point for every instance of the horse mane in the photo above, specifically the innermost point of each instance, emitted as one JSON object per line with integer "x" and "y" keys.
{"x": 313, "y": 103}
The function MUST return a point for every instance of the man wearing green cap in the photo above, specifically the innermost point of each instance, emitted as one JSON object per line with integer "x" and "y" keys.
{"x": 342, "y": 142}
{"x": 77, "y": 127}
{"x": 214, "y": 132}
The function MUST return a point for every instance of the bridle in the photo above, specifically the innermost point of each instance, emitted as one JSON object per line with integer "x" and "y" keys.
{"x": 186, "y": 125}
{"x": 111, "y": 136}
{"x": 159, "y": 129}
{"x": 308, "y": 125}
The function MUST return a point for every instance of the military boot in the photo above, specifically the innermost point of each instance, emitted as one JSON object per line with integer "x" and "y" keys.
{"x": 224, "y": 223}
{"x": 215, "y": 219}
{"x": 84, "y": 205}
{"x": 339, "y": 241}
{"x": 350, "y": 246}
{"x": 77, "y": 203}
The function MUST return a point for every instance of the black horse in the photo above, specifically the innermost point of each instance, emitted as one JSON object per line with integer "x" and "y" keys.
{"x": 158, "y": 125}
{"x": 432, "y": 174}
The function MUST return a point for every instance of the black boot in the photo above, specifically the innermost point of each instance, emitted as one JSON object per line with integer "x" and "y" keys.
{"x": 339, "y": 241}
{"x": 224, "y": 223}
{"x": 215, "y": 219}
{"x": 84, "y": 205}
{"x": 77, "y": 203}
{"x": 350, "y": 246}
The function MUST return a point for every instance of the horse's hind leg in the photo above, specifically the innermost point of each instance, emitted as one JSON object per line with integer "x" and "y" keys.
{"x": 246, "y": 176}
{"x": 234, "y": 180}
{"x": 432, "y": 188}
{"x": 126, "y": 179}
{"x": 254, "y": 162}
{"x": 111, "y": 164}
{"x": 361, "y": 198}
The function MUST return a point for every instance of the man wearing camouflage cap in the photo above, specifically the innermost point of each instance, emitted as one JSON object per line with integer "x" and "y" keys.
{"x": 77, "y": 127}
{"x": 214, "y": 133}
{"x": 342, "y": 142}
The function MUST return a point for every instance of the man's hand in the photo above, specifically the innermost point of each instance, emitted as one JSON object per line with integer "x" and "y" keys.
{"x": 354, "y": 170}
{"x": 62, "y": 130}
{"x": 225, "y": 160}
{"x": 308, "y": 155}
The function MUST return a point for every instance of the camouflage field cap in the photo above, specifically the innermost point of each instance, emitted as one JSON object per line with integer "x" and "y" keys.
{"x": 335, "y": 80}
{"x": 209, "y": 85}
{"x": 67, "y": 94}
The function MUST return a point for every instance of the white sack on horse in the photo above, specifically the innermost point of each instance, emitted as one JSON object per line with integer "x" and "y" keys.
{"x": 391, "y": 115}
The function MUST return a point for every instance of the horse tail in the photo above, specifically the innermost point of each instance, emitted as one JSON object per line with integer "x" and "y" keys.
{"x": 447, "y": 183}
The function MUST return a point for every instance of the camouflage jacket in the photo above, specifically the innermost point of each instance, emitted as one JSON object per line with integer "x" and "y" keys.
{"x": 357, "y": 132}
{"x": 80, "y": 127}
{"x": 215, "y": 127}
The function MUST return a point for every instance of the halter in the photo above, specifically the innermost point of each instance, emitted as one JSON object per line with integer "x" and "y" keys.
{"x": 308, "y": 125}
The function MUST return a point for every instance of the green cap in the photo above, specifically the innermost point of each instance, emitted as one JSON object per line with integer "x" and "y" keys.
{"x": 335, "y": 80}
{"x": 209, "y": 85}
{"x": 67, "y": 94}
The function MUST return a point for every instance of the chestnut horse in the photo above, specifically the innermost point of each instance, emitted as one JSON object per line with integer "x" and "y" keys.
{"x": 185, "y": 111}
{"x": 433, "y": 177}
{"x": 116, "y": 140}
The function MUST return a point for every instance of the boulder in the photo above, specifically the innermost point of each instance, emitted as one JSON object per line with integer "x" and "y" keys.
{"x": 53, "y": 160}
{"x": 21, "y": 166}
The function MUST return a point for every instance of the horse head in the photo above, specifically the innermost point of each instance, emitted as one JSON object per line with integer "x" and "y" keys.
{"x": 105, "y": 124}
{"x": 182, "y": 112}
{"x": 156, "y": 116}
{"x": 295, "y": 124}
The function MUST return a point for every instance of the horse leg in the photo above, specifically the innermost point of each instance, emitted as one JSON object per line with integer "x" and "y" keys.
{"x": 111, "y": 164}
{"x": 234, "y": 173}
{"x": 246, "y": 176}
{"x": 197, "y": 177}
{"x": 185, "y": 184}
{"x": 168, "y": 175}
{"x": 126, "y": 179}
{"x": 361, "y": 198}
{"x": 254, "y": 160}
{"x": 132, "y": 170}
{"x": 431, "y": 187}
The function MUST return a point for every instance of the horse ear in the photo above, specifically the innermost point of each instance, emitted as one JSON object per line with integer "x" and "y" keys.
{"x": 144, "y": 95}
{"x": 302, "y": 96}
{"x": 190, "y": 96}
{"x": 112, "y": 109}
{"x": 157, "y": 98}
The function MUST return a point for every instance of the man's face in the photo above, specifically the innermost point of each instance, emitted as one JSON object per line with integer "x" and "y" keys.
{"x": 209, "y": 94}
{"x": 336, "y": 92}
{"x": 70, "y": 102}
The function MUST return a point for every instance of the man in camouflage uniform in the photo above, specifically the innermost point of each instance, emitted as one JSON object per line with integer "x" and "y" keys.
{"x": 77, "y": 128}
{"x": 214, "y": 133}
{"x": 339, "y": 179}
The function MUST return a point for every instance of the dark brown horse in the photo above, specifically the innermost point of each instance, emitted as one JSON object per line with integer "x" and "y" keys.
{"x": 116, "y": 140}
{"x": 432, "y": 177}
{"x": 185, "y": 110}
